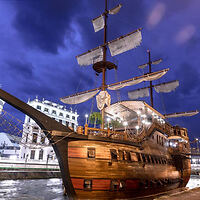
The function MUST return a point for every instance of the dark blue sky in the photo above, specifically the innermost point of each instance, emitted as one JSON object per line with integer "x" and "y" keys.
{"x": 40, "y": 39}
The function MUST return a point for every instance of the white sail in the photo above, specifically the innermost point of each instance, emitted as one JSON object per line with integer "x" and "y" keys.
{"x": 182, "y": 114}
{"x": 167, "y": 87}
{"x": 115, "y": 10}
{"x": 125, "y": 43}
{"x": 136, "y": 80}
{"x": 80, "y": 97}
{"x": 98, "y": 23}
{"x": 139, "y": 93}
{"x": 91, "y": 57}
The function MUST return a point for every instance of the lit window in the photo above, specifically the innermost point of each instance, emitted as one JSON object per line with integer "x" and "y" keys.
{"x": 34, "y": 138}
{"x": 91, "y": 152}
{"x": 114, "y": 185}
{"x": 113, "y": 154}
{"x": 121, "y": 155}
{"x": 88, "y": 184}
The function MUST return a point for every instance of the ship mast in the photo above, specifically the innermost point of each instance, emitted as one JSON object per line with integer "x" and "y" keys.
{"x": 104, "y": 59}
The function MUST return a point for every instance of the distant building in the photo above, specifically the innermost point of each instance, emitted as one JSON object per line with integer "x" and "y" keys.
{"x": 34, "y": 143}
{"x": 9, "y": 145}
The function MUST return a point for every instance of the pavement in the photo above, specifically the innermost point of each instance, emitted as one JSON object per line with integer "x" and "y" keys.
{"x": 191, "y": 194}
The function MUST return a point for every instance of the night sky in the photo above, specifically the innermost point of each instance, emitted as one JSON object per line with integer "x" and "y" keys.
{"x": 39, "y": 40}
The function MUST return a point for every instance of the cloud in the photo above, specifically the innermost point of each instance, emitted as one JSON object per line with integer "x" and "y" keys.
{"x": 185, "y": 34}
{"x": 18, "y": 68}
{"x": 156, "y": 15}
{"x": 45, "y": 24}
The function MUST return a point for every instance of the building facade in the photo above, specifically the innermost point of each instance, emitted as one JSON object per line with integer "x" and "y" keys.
{"x": 34, "y": 144}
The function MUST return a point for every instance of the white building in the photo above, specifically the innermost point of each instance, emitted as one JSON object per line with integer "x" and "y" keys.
{"x": 34, "y": 143}
{"x": 9, "y": 145}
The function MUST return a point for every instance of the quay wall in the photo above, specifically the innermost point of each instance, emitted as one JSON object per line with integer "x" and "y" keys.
{"x": 28, "y": 169}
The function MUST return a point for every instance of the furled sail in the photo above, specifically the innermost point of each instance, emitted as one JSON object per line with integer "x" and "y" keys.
{"x": 79, "y": 97}
{"x": 115, "y": 10}
{"x": 139, "y": 79}
{"x": 91, "y": 57}
{"x": 182, "y": 114}
{"x": 125, "y": 43}
{"x": 103, "y": 98}
{"x": 167, "y": 87}
{"x": 156, "y": 62}
{"x": 139, "y": 93}
{"x": 98, "y": 23}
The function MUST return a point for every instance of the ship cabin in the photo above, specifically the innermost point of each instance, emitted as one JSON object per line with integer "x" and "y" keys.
{"x": 132, "y": 121}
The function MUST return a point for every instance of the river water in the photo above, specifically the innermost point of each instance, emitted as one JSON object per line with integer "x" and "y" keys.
{"x": 46, "y": 189}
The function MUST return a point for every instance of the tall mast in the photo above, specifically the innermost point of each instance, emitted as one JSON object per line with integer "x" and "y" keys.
{"x": 151, "y": 86}
{"x": 104, "y": 59}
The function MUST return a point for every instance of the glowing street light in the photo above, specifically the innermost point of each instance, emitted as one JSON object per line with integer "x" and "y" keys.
{"x": 108, "y": 120}
{"x": 86, "y": 117}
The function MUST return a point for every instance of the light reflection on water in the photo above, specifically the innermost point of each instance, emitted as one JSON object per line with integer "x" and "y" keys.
{"x": 46, "y": 189}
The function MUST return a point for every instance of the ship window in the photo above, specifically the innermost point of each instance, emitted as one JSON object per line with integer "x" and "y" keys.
{"x": 122, "y": 185}
{"x": 113, "y": 154}
{"x": 152, "y": 160}
{"x": 88, "y": 184}
{"x": 91, "y": 152}
{"x": 73, "y": 117}
{"x": 121, "y": 155}
{"x": 155, "y": 159}
{"x": 148, "y": 159}
{"x": 143, "y": 158}
{"x": 128, "y": 156}
{"x": 134, "y": 157}
{"x": 114, "y": 185}
{"x": 67, "y": 116}
{"x": 138, "y": 157}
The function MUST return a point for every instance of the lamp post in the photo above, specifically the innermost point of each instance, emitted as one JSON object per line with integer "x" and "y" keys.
{"x": 108, "y": 120}
{"x": 86, "y": 117}
{"x": 125, "y": 124}
{"x": 197, "y": 141}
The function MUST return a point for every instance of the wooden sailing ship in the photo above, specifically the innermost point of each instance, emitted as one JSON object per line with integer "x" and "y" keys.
{"x": 142, "y": 155}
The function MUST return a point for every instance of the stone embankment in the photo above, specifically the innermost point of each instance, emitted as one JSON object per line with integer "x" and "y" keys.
{"x": 28, "y": 169}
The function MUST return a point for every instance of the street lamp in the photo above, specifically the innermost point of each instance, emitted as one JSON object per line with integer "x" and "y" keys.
{"x": 86, "y": 116}
{"x": 197, "y": 141}
{"x": 125, "y": 124}
{"x": 108, "y": 120}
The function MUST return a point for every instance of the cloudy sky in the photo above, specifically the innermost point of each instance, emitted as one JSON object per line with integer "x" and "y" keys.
{"x": 40, "y": 39}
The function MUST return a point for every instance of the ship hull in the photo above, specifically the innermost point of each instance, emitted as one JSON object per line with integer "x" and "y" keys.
{"x": 96, "y": 174}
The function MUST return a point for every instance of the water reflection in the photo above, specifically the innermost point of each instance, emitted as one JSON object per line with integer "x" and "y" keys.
{"x": 46, "y": 189}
